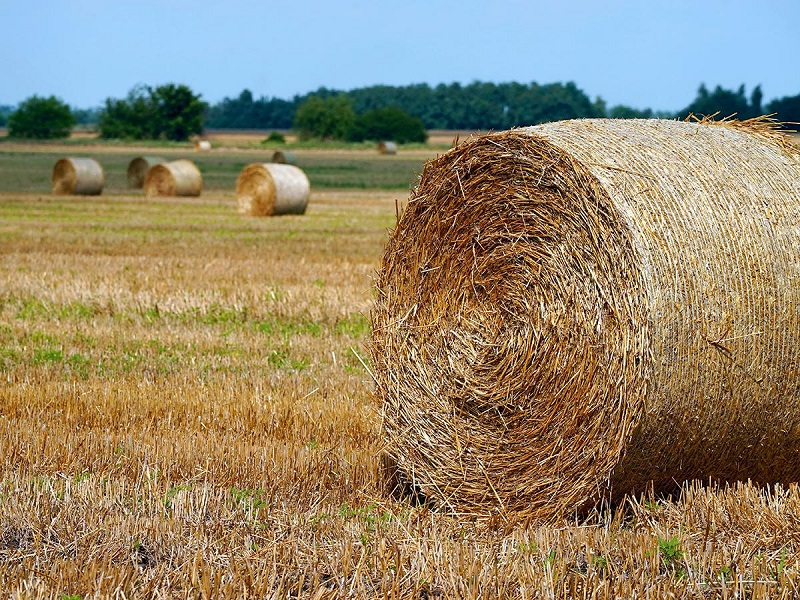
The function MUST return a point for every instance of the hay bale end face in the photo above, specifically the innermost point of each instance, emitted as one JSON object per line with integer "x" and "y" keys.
{"x": 284, "y": 158}
{"x": 175, "y": 178}
{"x": 387, "y": 147}
{"x": 267, "y": 189}
{"x": 138, "y": 167}
{"x": 202, "y": 146}
{"x": 83, "y": 176}
{"x": 579, "y": 310}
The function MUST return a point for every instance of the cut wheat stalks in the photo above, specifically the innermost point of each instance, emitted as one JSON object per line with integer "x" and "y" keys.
{"x": 387, "y": 147}
{"x": 267, "y": 189}
{"x": 138, "y": 167}
{"x": 175, "y": 178}
{"x": 284, "y": 158}
{"x": 82, "y": 176}
{"x": 575, "y": 311}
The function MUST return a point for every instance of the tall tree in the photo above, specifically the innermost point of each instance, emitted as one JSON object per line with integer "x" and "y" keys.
{"x": 171, "y": 112}
{"x": 177, "y": 111}
{"x": 327, "y": 118}
{"x": 725, "y": 102}
{"x": 786, "y": 110}
{"x": 41, "y": 118}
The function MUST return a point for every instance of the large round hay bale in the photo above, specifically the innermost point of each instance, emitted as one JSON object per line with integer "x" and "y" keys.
{"x": 387, "y": 147}
{"x": 202, "y": 146}
{"x": 266, "y": 189}
{"x": 284, "y": 158}
{"x": 138, "y": 167}
{"x": 175, "y": 178}
{"x": 78, "y": 176}
{"x": 583, "y": 309}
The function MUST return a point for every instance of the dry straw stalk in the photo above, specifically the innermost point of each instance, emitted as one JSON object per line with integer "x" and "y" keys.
{"x": 266, "y": 189}
{"x": 138, "y": 167}
{"x": 78, "y": 176}
{"x": 571, "y": 312}
{"x": 176, "y": 178}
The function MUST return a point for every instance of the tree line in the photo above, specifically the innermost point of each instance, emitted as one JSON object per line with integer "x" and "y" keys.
{"x": 403, "y": 113}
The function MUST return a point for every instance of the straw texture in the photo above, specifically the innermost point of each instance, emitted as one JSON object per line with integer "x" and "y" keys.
{"x": 78, "y": 176}
{"x": 138, "y": 167}
{"x": 284, "y": 158}
{"x": 267, "y": 189}
{"x": 579, "y": 310}
{"x": 387, "y": 147}
{"x": 176, "y": 178}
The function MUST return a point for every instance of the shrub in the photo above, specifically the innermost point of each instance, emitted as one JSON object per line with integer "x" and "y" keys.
{"x": 276, "y": 137}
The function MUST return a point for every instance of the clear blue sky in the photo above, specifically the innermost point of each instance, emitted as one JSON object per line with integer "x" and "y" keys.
{"x": 647, "y": 53}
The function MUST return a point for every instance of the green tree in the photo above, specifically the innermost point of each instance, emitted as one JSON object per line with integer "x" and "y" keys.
{"x": 325, "y": 118}
{"x": 170, "y": 112}
{"x": 387, "y": 124}
{"x": 131, "y": 118}
{"x": 621, "y": 111}
{"x": 178, "y": 112}
{"x": 786, "y": 110}
{"x": 41, "y": 118}
{"x": 722, "y": 101}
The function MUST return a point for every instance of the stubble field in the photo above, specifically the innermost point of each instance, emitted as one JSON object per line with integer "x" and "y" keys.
{"x": 186, "y": 412}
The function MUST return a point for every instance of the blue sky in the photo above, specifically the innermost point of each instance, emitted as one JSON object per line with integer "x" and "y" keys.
{"x": 650, "y": 53}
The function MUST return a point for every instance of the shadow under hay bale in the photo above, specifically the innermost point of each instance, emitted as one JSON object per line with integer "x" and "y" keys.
{"x": 83, "y": 176}
{"x": 284, "y": 158}
{"x": 175, "y": 178}
{"x": 138, "y": 167}
{"x": 387, "y": 147}
{"x": 583, "y": 309}
{"x": 267, "y": 189}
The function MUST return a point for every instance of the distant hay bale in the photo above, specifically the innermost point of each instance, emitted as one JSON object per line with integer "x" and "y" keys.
{"x": 137, "y": 169}
{"x": 202, "y": 146}
{"x": 82, "y": 176}
{"x": 387, "y": 147}
{"x": 176, "y": 178}
{"x": 578, "y": 310}
{"x": 266, "y": 189}
{"x": 284, "y": 158}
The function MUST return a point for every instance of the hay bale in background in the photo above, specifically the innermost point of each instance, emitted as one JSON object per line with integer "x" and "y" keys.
{"x": 176, "y": 178}
{"x": 78, "y": 176}
{"x": 266, "y": 189}
{"x": 387, "y": 147}
{"x": 579, "y": 310}
{"x": 138, "y": 167}
{"x": 284, "y": 158}
{"x": 202, "y": 146}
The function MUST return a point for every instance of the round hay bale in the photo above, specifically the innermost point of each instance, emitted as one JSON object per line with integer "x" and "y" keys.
{"x": 266, "y": 189}
{"x": 575, "y": 311}
{"x": 284, "y": 158}
{"x": 387, "y": 147}
{"x": 78, "y": 176}
{"x": 202, "y": 146}
{"x": 175, "y": 178}
{"x": 138, "y": 167}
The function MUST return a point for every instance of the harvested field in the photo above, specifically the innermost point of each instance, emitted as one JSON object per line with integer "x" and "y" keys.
{"x": 184, "y": 412}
